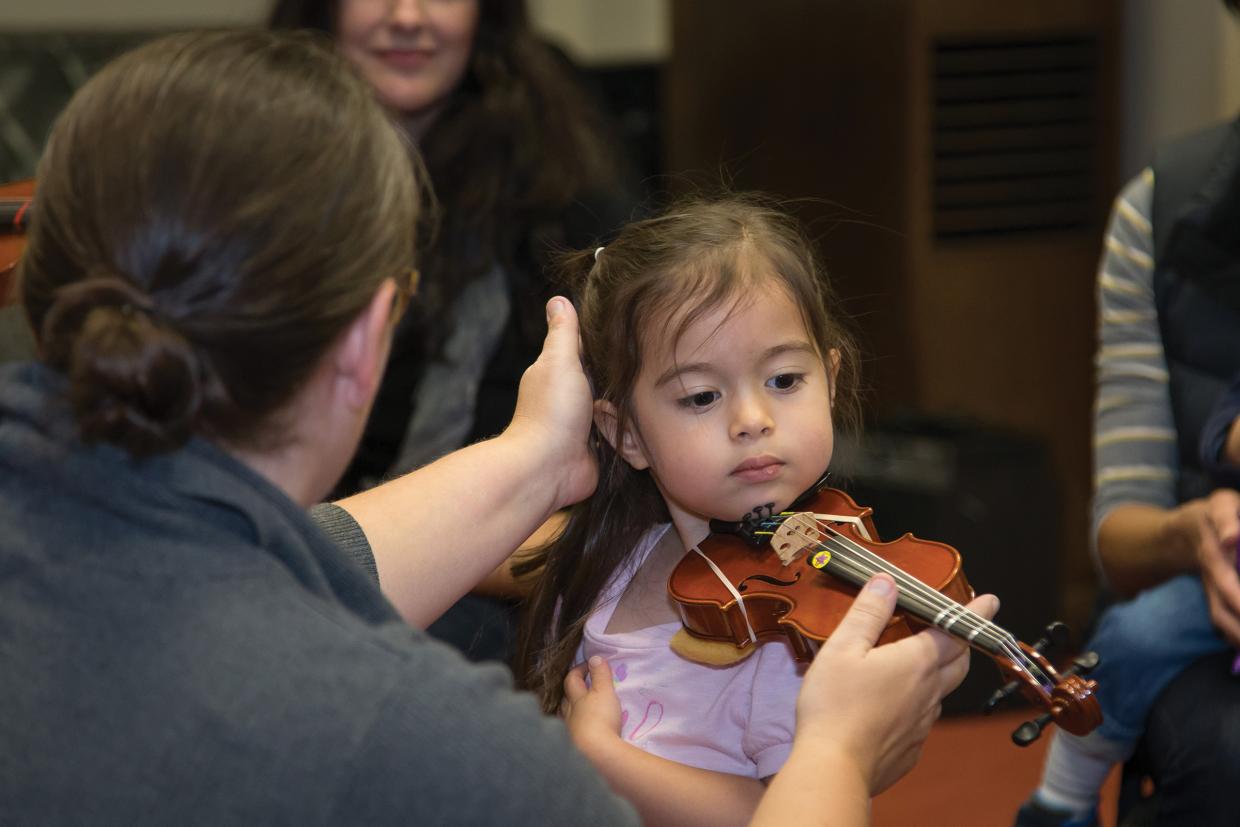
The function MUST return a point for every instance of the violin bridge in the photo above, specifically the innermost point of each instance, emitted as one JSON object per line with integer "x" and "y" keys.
{"x": 796, "y": 534}
{"x": 853, "y": 520}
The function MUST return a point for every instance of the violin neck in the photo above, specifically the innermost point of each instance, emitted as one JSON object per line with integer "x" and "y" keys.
{"x": 927, "y": 604}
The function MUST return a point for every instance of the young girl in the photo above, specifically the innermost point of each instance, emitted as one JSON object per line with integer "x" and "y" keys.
{"x": 718, "y": 368}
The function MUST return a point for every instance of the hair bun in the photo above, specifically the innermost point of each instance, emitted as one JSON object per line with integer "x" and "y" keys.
{"x": 134, "y": 380}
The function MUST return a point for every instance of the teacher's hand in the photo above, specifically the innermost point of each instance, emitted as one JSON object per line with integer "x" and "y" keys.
{"x": 555, "y": 407}
{"x": 872, "y": 705}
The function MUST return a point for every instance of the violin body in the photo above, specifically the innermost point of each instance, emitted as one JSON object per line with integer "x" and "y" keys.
{"x": 795, "y": 574}
{"x": 796, "y": 600}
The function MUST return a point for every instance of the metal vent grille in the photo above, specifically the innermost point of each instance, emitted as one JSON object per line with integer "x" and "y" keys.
{"x": 1014, "y": 135}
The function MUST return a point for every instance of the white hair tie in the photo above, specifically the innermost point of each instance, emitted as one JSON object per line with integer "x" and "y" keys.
{"x": 597, "y": 250}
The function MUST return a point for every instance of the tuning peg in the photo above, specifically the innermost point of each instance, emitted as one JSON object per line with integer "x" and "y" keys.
{"x": 1055, "y": 636}
{"x": 1029, "y": 731}
{"x": 1085, "y": 663}
{"x": 1000, "y": 695}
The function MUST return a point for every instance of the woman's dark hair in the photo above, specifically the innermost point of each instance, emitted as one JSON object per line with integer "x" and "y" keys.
{"x": 517, "y": 142}
{"x": 213, "y": 210}
{"x": 657, "y": 278}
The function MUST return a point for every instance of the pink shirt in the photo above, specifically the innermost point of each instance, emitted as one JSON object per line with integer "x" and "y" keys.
{"x": 736, "y": 719}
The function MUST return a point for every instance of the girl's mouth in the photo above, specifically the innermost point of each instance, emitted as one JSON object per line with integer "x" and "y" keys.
{"x": 758, "y": 469}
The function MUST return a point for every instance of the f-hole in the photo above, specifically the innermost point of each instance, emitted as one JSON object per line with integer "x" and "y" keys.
{"x": 766, "y": 578}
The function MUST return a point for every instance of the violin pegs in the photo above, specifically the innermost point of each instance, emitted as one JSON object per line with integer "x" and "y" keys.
{"x": 1055, "y": 636}
{"x": 1029, "y": 731}
{"x": 1085, "y": 663}
{"x": 1000, "y": 695}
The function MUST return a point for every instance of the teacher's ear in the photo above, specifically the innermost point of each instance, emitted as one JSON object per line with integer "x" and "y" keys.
{"x": 362, "y": 352}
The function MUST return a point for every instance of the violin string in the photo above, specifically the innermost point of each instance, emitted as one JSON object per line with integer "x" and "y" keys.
{"x": 948, "y": 615}
{"x": 914, "y": 588}
{"x": 949, "y": 612}
{"x": 951, "y": 619}
{"x": 935, "y": 607}
{"x": 930, "y": 601}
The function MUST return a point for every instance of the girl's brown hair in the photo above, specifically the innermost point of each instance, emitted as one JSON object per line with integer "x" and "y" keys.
{"x": 698, "y": 256}
{"x": 213, "y": 210}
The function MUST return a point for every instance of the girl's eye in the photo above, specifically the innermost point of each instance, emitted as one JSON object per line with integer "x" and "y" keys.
{"x": 785, "y": 381}
{"x": 701, "y": 399}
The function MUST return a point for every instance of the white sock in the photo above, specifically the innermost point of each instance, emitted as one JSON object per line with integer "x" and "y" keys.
{"x": 1075, "y": 769}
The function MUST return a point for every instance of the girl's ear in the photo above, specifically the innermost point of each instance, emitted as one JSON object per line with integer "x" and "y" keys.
{"x": 627, "y": 445}
{"x": 833, "y": 370}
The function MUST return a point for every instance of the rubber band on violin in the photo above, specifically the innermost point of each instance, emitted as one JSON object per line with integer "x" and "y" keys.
{"x": 793, "y": 575}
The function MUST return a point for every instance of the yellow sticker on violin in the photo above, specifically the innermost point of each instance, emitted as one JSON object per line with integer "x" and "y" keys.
{"x": 821, "y": 559}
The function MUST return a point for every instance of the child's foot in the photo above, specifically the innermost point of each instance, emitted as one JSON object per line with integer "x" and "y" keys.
{"x": 1035, "y": 814}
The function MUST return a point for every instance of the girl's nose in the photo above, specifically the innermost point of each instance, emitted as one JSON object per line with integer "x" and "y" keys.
{"x": 751, "y": 419}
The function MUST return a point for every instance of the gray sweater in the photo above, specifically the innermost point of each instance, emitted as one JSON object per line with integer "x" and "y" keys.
{"x": 180, "y": 644}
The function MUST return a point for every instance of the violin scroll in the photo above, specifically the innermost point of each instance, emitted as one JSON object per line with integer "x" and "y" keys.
{"x": 1071, "y": 703}
{"x": 1067, "y": 696}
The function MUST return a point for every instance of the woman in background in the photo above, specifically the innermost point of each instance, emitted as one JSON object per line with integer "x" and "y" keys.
{"x": 522, "y": 164}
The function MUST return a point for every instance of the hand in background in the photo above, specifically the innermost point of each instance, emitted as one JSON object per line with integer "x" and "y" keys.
{"x": 1211, "y": 528}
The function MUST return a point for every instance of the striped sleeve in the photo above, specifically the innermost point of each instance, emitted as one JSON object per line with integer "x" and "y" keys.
{"x": 1135, "y": 457}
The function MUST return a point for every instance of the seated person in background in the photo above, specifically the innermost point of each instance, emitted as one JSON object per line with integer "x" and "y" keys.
{"x": 221, "y": 244}
{"x": 522, "y": 163}
{"x": 1165, "y": 527}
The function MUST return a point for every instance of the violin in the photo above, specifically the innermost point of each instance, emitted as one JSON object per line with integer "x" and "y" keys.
{"x": 15, "y": 204}
{"x": 794, "y": 574}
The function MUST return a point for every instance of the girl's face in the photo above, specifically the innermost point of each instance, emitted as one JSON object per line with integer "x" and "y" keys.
{"x": 413, "y": 52}
{"x": 734, "y": 415}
